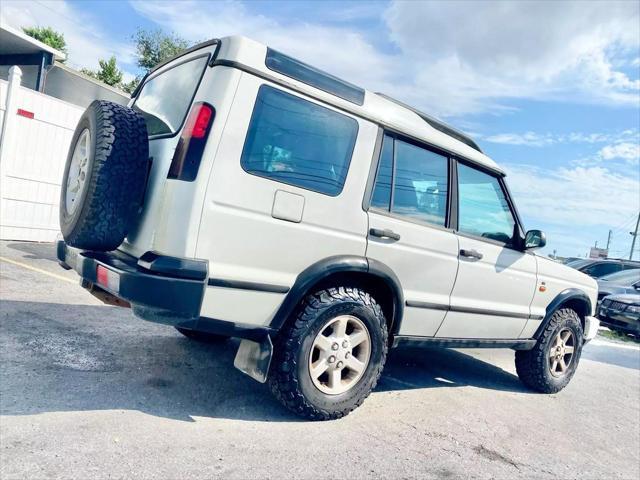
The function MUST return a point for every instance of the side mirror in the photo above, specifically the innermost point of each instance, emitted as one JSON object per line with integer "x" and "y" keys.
{"x": 534, "y": 239}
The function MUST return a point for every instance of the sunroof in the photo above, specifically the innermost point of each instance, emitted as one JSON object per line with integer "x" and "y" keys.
{"x": 293, "y": 68}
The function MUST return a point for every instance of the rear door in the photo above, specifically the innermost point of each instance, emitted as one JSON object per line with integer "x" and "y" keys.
{"x": 408, "y": 230}
{"x": 171, "y": 210}
{"x": 496, "y": 281}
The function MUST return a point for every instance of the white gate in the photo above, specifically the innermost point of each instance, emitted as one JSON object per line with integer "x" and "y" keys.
{"x": 36, "y": 133}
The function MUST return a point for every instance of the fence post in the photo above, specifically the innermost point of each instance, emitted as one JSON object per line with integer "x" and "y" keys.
{"x": 10, "y": 103}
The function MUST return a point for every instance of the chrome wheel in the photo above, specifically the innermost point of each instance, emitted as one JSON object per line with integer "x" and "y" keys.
{"x": 561, "y": 352}
{"x": 78, "y": 171}
{"x": 339, "y": 355}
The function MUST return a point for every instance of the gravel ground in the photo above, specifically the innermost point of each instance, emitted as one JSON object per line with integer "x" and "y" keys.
{"x": 88, "y": 391}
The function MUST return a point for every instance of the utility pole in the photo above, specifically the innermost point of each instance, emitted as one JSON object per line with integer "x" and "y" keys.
{"x": 609, "y": 239}
{"x": 635, "y": 235}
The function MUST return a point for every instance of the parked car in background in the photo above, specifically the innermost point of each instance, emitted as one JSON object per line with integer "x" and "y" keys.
{"x": 571, "y": 259}
{"x": 597, "y": 268}
{"x": 626, "y": 281}
{"x": 621, "y": 313}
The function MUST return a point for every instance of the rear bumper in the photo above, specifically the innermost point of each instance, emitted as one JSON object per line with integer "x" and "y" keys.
{"x": 159, "y": 288}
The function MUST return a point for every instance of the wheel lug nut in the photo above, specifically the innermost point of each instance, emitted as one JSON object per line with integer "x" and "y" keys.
{"x": 335, "y": 346}
{"x": 332, "y": 359}
{"x": 340, "y": 364}
{"x": 345, "y": 344}
{"x": 347, "y": 355}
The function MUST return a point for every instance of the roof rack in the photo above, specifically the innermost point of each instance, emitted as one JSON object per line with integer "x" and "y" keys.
{"x": 437, "y": 124}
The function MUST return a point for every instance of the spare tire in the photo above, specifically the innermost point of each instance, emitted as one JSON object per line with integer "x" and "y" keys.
{"x": 104, "y": 177}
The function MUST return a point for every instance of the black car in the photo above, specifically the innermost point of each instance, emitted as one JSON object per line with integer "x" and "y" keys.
{"x": 597, "y": 268}
{"x": 621, "y": 313}
{"x": 626, "y": 281}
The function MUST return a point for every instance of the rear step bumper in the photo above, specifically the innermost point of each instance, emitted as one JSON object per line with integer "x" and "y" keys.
{"x": 168, "y": 288}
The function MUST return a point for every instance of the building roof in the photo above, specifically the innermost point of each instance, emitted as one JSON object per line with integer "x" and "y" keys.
{"x": 16, "y": 42}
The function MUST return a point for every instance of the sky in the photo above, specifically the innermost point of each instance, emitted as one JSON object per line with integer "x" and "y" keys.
{"x": 549, "y": 90}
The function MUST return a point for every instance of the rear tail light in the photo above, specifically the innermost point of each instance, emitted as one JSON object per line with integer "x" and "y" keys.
{"x": 188, "y": 154}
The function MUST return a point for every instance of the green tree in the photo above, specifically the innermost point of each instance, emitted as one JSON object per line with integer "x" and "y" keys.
{"x": 108, "y": 73}
{"x": 48, "y": 36}
{"x": 155, "y": 46}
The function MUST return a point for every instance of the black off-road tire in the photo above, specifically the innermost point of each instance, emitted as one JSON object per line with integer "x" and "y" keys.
{"x": 115, "y": 180}
{"x": 204, "y": 337}
{"x": 289, "y": 377}
{"x": 533, "y": 367}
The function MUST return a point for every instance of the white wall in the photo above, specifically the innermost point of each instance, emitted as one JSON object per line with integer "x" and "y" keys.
{"x": 33, "y": 153}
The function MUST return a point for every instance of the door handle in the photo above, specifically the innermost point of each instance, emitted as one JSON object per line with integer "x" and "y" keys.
{"x": 470, "y": 254}
{"x": 386, "y": 233}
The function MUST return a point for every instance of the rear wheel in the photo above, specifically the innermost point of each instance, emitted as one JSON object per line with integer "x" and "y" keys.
{"x": 551, "y": 364}
{"x": 331, "y": 355}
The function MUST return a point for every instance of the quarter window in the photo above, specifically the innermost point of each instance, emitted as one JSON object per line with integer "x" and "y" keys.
{"x": 298, "y": 142}
{"x": 483, "y": 209}
{"x": 419, "y": 178}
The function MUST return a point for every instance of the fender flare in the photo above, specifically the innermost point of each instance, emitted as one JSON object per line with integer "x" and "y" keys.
{"x": 322, "y": 269}
{"x": 570, "y": 294}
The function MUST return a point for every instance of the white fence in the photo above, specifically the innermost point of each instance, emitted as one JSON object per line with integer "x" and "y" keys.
{"x": 36, "y": 133}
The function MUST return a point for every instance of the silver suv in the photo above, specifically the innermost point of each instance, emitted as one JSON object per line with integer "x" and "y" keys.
{"x": 245, "y": 194}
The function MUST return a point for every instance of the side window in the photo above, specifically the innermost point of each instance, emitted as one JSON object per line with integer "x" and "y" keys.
{"x": 294, "y": 141}
{"x": 420, "y": 184}
{"x": 482, "y": 206}
{"x": 420, "y": 181}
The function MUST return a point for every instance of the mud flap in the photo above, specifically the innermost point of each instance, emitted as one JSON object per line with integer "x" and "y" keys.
{"x": 254, "y": 358}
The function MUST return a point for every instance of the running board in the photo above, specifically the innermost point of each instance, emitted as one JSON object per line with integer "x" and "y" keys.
{"x": 515, "y": 343}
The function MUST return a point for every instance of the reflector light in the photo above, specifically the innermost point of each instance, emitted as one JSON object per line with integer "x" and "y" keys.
{"x": 107, "y": 278}
{"x": 25, "y": 113}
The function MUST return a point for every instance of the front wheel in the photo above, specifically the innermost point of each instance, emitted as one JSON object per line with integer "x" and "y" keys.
{"x": 551, "y": 364}
{"x": 331, "y": 355}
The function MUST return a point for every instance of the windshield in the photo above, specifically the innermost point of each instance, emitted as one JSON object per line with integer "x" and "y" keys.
{"x": 579, "y": 263}
{"x": 165, "y": 99}
{"x": 626, "y": 277}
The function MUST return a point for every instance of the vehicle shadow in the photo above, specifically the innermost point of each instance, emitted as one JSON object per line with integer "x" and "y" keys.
{"x": 36, "y": 251}
{"x": 60, "y": 357}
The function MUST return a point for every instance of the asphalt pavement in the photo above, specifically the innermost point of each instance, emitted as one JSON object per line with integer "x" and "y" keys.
{"x": 89, "y": 391}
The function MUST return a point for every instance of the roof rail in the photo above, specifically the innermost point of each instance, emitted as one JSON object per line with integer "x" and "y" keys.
{"x": 437, "y": 124}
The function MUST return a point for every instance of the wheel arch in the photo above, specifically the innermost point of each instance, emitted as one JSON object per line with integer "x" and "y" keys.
{"x": 572, "y": 298}
{"x": 371, "y": 275}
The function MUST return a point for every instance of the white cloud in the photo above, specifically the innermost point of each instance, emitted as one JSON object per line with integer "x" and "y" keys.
{"x": 339, "y": 50}
{"x": 573, "y": 198}
{"x": 623, "y": 142}
{"x": 448, "y": 61}
{"x": 520, "y": 49}
{"x": 529, "y": 139}
{"x": 86, "y": 41}
{"x": 625, "y": 150}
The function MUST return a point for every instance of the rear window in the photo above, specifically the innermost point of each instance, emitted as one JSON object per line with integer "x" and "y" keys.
{"x": 294, "y": 141}
{"x": 165, "y": 99}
